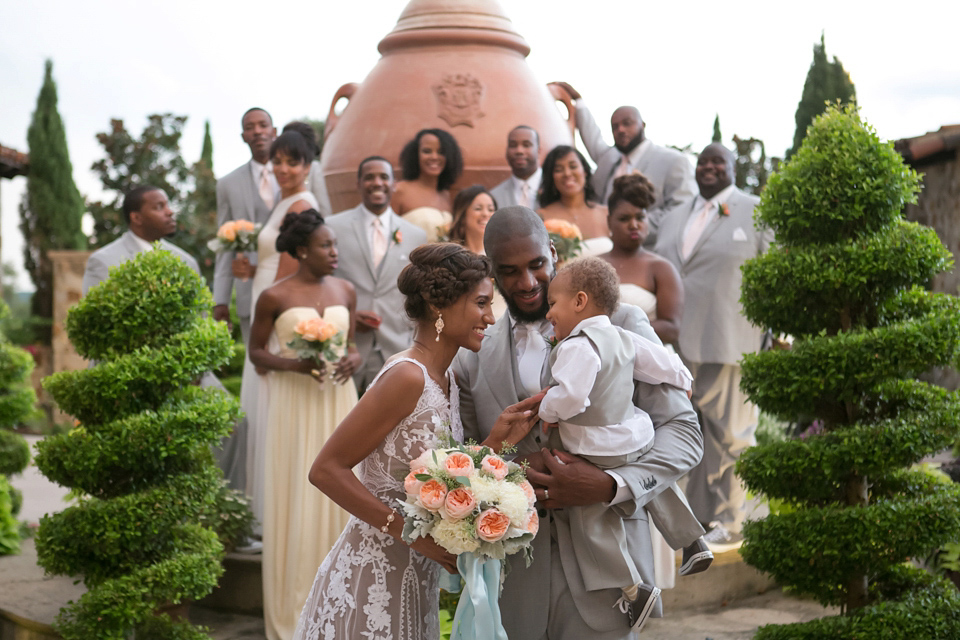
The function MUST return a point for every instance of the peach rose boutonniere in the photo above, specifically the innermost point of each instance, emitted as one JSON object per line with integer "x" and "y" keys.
{"x": 397, "y": 236}
{"x": 724, "y": 210}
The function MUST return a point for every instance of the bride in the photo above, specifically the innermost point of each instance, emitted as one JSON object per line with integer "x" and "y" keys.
{"x": 372, "y": 584}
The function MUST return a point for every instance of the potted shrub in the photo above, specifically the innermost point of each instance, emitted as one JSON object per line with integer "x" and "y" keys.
{"x": 846, "y": 279}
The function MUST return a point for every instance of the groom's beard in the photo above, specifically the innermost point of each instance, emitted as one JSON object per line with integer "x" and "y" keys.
{"x": 526, "y": 316}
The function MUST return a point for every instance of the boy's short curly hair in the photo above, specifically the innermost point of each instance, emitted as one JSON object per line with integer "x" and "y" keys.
{"x": 597, "y": 279}
{"x": 438, "y": 274}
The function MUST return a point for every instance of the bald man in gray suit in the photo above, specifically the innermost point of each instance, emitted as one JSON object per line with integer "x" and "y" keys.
{"x": 708, "y": 240}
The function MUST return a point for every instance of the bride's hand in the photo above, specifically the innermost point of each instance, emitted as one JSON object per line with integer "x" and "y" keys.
{"x": 427, "y": 547}
{"x": 515, "y": 422}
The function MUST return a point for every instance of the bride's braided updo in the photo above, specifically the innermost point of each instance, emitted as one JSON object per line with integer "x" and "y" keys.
{"x": 438, "y": 274}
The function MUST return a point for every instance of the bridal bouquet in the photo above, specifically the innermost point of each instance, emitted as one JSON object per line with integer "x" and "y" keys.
{"x": 235, "y": 235}
{"x": 480, "y": 507}
{"x": 566, "y": 238}
{"x": 317, "y": 339}
{"x": 470, "y": 500}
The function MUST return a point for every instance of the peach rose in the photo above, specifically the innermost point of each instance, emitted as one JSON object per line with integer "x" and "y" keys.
{"x": 492, "y": 525}
{"x": 228, "y": 231}
{"x": 459, "y": 464}
{"x": 243, "y": 225}
{"x": 562, "y": 228}
{"x": 411, "y": 484}
{"x": 533, "y": 523}
{"x": 459, "y": 503}
{"x": 528, "y": 491}
{"x": 327, "y": 331}
{"x": 432, "y": 494}
{"x": 494, "y": 465}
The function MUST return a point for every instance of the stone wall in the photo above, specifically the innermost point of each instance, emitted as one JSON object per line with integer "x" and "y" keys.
{"x": 68, "y": 269}
{"x": 939, "y": 208}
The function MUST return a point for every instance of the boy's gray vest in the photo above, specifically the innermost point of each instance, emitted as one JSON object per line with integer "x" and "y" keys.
{"x": 611, "y": 399}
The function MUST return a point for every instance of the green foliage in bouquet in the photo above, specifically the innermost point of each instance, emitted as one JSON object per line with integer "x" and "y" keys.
{"x": 17, "y": 402}
{"x": 144, "y": 534}
{"x": 846, "y": 279}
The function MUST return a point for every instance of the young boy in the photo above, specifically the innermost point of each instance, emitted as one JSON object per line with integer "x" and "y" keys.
{"x": 594, "y": 365}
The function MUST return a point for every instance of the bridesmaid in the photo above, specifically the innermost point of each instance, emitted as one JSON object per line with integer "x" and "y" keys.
{"x": 307, "y": 401}
{"x": 430, "y": 164}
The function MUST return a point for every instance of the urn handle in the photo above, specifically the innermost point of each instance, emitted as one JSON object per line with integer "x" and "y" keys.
{"x": 561, "y": 92}
{"x": 346, "y": 91}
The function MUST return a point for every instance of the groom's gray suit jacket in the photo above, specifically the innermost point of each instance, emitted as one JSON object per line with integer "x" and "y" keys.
{"x": 489, "y": 382}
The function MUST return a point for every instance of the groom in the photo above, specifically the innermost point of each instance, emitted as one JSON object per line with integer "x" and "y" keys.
{"x": 548, "y": 600}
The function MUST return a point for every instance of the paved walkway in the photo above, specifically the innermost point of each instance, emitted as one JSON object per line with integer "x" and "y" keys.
{"x": 25, "y": 592}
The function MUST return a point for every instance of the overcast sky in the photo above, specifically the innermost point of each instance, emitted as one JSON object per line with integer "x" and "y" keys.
{"x": 678, "y": 62}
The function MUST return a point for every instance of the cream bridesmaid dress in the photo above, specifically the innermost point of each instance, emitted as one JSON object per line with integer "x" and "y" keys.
{"x": 300, "y": 524}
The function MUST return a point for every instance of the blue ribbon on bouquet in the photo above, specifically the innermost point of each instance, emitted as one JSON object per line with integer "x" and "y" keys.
{"x": 478, "y": 613}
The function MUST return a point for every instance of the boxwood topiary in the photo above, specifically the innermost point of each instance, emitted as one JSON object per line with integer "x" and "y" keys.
{"x": 140, "y": 537}
{"x": 845, "y": 278}
{"x": 17, "y": 403}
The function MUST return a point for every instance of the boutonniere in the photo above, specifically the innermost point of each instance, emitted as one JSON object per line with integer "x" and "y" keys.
{"x": 397, "y": 236}
{"x": 551, "y": 341}
{"x": 724, "y": 210}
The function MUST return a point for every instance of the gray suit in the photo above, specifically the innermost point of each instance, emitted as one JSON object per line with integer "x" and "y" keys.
{"x": 506, "y": 196}
{"x": 489, "y": 382}
{"x": 230, "y": 455}
{"x": 238, "y": 198}
{"x": 376, "y": 287}
{"x": 714, "y": 335}
{"x": 667, "y": 169}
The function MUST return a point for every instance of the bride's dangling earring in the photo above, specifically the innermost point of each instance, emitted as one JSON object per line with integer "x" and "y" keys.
{"x": 439, "y": 325}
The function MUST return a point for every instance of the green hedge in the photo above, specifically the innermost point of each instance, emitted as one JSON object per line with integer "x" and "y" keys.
{"x": 842, "y": 183}
{"x": 846, "y": 279}
{"x": 153, "y": 506}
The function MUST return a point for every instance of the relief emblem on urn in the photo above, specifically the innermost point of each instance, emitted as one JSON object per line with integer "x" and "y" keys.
{"x": 458, "y": 99}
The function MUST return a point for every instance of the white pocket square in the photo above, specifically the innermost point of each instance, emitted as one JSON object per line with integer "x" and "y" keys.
{"x": 739, "y": 235}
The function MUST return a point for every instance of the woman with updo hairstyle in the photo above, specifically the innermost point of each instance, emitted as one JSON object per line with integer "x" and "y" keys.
{"x": 290, "y": 157}
{"x": 305, "y": 401}
{"x": 566, "y": 194}
{"x": 430, "y": 164}
{"x": 411, "y": 403}
{"x": 646, "y": 280}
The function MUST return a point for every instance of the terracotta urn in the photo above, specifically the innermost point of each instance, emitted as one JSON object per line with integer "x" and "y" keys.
{"x": 457, "y": 65}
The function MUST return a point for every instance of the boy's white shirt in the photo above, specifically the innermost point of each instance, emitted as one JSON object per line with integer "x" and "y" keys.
{"x": 575, "y": 371}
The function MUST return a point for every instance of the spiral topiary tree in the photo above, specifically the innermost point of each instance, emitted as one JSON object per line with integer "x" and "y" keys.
{"x": 140, "y": 456}
{"x": 17, "y": 400}
{"x": 846, "y": 279}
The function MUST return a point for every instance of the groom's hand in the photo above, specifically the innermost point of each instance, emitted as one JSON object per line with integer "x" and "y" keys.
{"x": 570, "y": 481}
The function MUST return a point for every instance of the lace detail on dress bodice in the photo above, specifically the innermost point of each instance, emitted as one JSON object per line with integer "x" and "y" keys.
{"x": 383, "y": 470}
{"x": 372, "y": 586}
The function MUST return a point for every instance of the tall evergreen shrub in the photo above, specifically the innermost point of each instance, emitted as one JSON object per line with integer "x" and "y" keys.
{"x": 140, "y": 455}
{"x": 847, "y": 278}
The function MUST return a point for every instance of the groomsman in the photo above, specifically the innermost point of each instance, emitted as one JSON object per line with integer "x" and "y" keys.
{"x": 149, "y": 219}
{"x": 374, "y": 244}
{"x": 667, "y": 169}
{"x": 246, "y": 193}
{"x": 708, "y": 240}
{"x": 523, "y": 156}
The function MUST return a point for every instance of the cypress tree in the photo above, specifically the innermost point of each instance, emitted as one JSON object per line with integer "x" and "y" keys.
{"x": 197, "y": 222}
{"x": 826, "y": 82}
{"x": 717, "y": 136}
{"x": 206, "y": 154}
{"x": 52, "y": 208}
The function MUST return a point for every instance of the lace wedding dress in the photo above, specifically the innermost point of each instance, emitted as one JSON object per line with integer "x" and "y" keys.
{"x": 371, "y": 586}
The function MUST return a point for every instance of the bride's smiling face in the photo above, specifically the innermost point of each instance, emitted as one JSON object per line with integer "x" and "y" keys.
{"x": 465, "y": 320}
